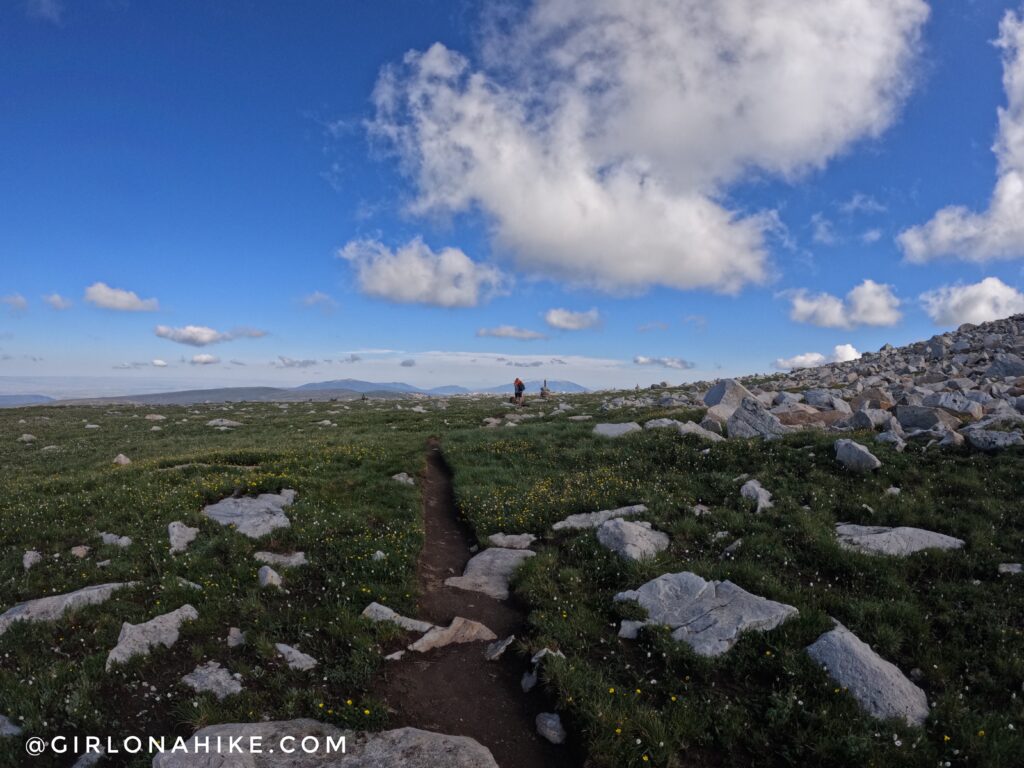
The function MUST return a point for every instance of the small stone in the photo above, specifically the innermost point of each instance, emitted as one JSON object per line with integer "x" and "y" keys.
{"x": 403, "y": 478}
{"x": 269, "y": 577}
{"x": 549, "y": 725}
{"x": 31, "y": 558}
{"x": 892, "y": 490}
{"x": 121, "y": 460}
{"x": 459, "y": 631}
{"x": 512, "y": 541}
{"x": 498, "y": 647}
{"x": 1011, "y": 569}
{"x": 528, "y": 681}
{"x": 26, "y": 438}
{"x": 188, "y": 584}
{"x": 236, "y": 637}
{"x": 377, "y": 556}
{"x": 81, "y": 551}
{"x": 181, "y": 536}
{"x": 223, "y": 423}
{"x": 754, "y": 491}
{"x": 594, "y": 519}
{"x": 699, "y": 510}
{"x": 212, "y": 678}
{"x": 490, "y": 571}
{"x": 113, "y": 539}
{"x": 7, "y": 728}
{"x": 616, "y": 430}
{"x": 294, "y": 560}
{"x": 376, "y": 612}
{"x": 396, "y": 656}
{"x": 855, "y": 457}
{"x": 631, "y": 540}
{"x": 295, "y": 658}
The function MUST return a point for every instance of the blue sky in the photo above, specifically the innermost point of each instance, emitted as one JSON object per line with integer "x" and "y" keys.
{"x": 271, "y": 193}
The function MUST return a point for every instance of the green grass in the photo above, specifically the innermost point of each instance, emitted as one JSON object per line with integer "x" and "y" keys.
{"x": 763, "y": 703}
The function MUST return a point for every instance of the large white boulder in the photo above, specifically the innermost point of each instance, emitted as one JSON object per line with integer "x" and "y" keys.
{"x": 899, "y": 542}
{"x": 490, "y": 571}
{"x": 855, "y": 457}
{"x": 139, "y": 639}
{"x": 55, "y": 606}
{"x": 631, "y": 540}
{"x": 253, "y": 517}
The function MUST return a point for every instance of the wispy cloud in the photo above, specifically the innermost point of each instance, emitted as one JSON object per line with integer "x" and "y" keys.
{"x": 676, "y": 363}
{"x": 320, "y": 300}
{"x": 511, "y": 332}
{"x": 290, "y": 362}
{"x": 567, "y": 320}
{"x": 45, "y": 10}
{"x": 58, "y": 302}
{"x": 204, "y": 360}
{"x": 15, "y": 302}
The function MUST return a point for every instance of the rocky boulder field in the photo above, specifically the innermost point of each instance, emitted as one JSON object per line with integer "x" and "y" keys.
{"x": 821, "y": 567}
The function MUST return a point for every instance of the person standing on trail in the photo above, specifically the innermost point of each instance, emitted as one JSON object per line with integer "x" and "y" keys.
{"x": 520, "y": 388}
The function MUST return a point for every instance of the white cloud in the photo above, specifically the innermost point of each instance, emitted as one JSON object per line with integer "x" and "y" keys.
{"x": 159, "y": 363}
{"x": 415, "y": 273}
{"x": 16, "y": 303}
{"x": 205, "y": 360}
{"x": 861, "y": 203}
{"x": 822, "y": 231}
{"x": 871, "y": 236}
{"x": 997, "y": 232}
{"x": 102, "y": 295}
{"x": 990, "y": 299}
{"x": 319, "y": 299}
{"x": 511, "y": 332}
{"x": 665, "y": 362}
{"x": 841, "y": 353}
{"x": 56, "y": 301}
{"x": 201, "y": 335}
{"x": 868, "y": 303}
{"x": 45, "y": 10}
{"x": 567, "y": 320}
{"x": 599, "y": 135}
{"x": 657, "y": 325}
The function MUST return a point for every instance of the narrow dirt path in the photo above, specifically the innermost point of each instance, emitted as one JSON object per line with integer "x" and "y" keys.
{"x": 455, "y": 690}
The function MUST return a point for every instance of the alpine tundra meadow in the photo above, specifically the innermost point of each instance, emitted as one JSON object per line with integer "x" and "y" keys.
{"x": 526, "y": 384}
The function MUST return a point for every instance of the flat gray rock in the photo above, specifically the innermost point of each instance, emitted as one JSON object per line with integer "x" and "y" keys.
{"x": 223, "y": 423}
{"x": 253, "y": 517}
{"x": 295, "y": 658}
{"x": 378, "y": 612}
{"x": 692, "y": 428}
{"x": 993, "y": 440}
{"x": 114, "y": 540}
{"x": 236, "y": 637}
{"x": 709, "y": 616}
{"x": 855, "y": 457}
{"x": 211, "y": 677}
{"x": 496, "y": 649}
{"x": 403, "y": 478}
{"x": 490, "y": 571}
{"x": 400, "y": 748}
{"x": 878, "y": 685}
{"x": 139, "y": 639}
{"x": 294, "y": 560}
{"x": 459, "y": 631}
{"x": 269, "y": 577}
{"x": 631, "y": 540}
{"x": 55, "y": 606}
{"x": 616, "y": 430}
{"x": 7, "y": 728}
{"x": 181, "y": 536}
{"x": 512, "y": 541}
{"x": 899, "y": 542}
{"x": 727, "y": 394}
{"x": 594, "y": 519}
{"x": 1011, "y": 569}
{"x": 31, "y": 558}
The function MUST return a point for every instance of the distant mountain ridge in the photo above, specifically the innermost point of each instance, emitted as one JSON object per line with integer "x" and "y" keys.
{"x": 340, "y": 389}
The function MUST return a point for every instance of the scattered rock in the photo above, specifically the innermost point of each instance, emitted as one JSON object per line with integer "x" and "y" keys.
{"x": 377, "y": 556}
{"x": 81, "y": 551}
{"x": 113, "y": 539}
{"x": 498, "y": 647}
{"x": 26, "y": 438}
{"x": 181, "y": 536}
{"x": 7, "y": 728}
{"x": 616, "y": 430}
{"x": 396, "y": 656}
{"x": 490, "y": 571}
{"x": 855, "y": 457}
{"x": 754, "y": 491}
{"x": 549, "y": 725}
{"x": 378, "y": 612}
{"x": 403, "y": 747}
{"x": 752, "y": 419}
{"x": 236, "y": 637}
{"x": 295, "y": 658}
{"x": 709, "y": 616}
{"x": 55, "y": 606}
{"x": 223, "y": 423}
{"x": 1011, "y": 569}
{"x": 899, "y": 542}
{"x": 138, "y": 639}
{"x": 512, "y": 541}
{"x": 269, "y": 577}
{"x": 253, "y": 517}
{"x": 211, "y": 677}
{"x": 878, "y": 685}
{"x": 121, "y": 460}
{"x": 294, "y": 560}
{"x": 631, "y": 540}
{"x": 403, "y": 478}
{"x": 459, "y": 631}
{"x": 528, "y": 681}
{"x": 31, "y": 558}
{"x": 594, "y": 519}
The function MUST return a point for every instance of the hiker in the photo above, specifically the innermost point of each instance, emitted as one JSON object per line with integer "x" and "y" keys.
{"x": 520, "y": 388}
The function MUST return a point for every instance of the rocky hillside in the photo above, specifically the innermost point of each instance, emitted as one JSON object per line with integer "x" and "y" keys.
{"x": 965, "y": 386}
